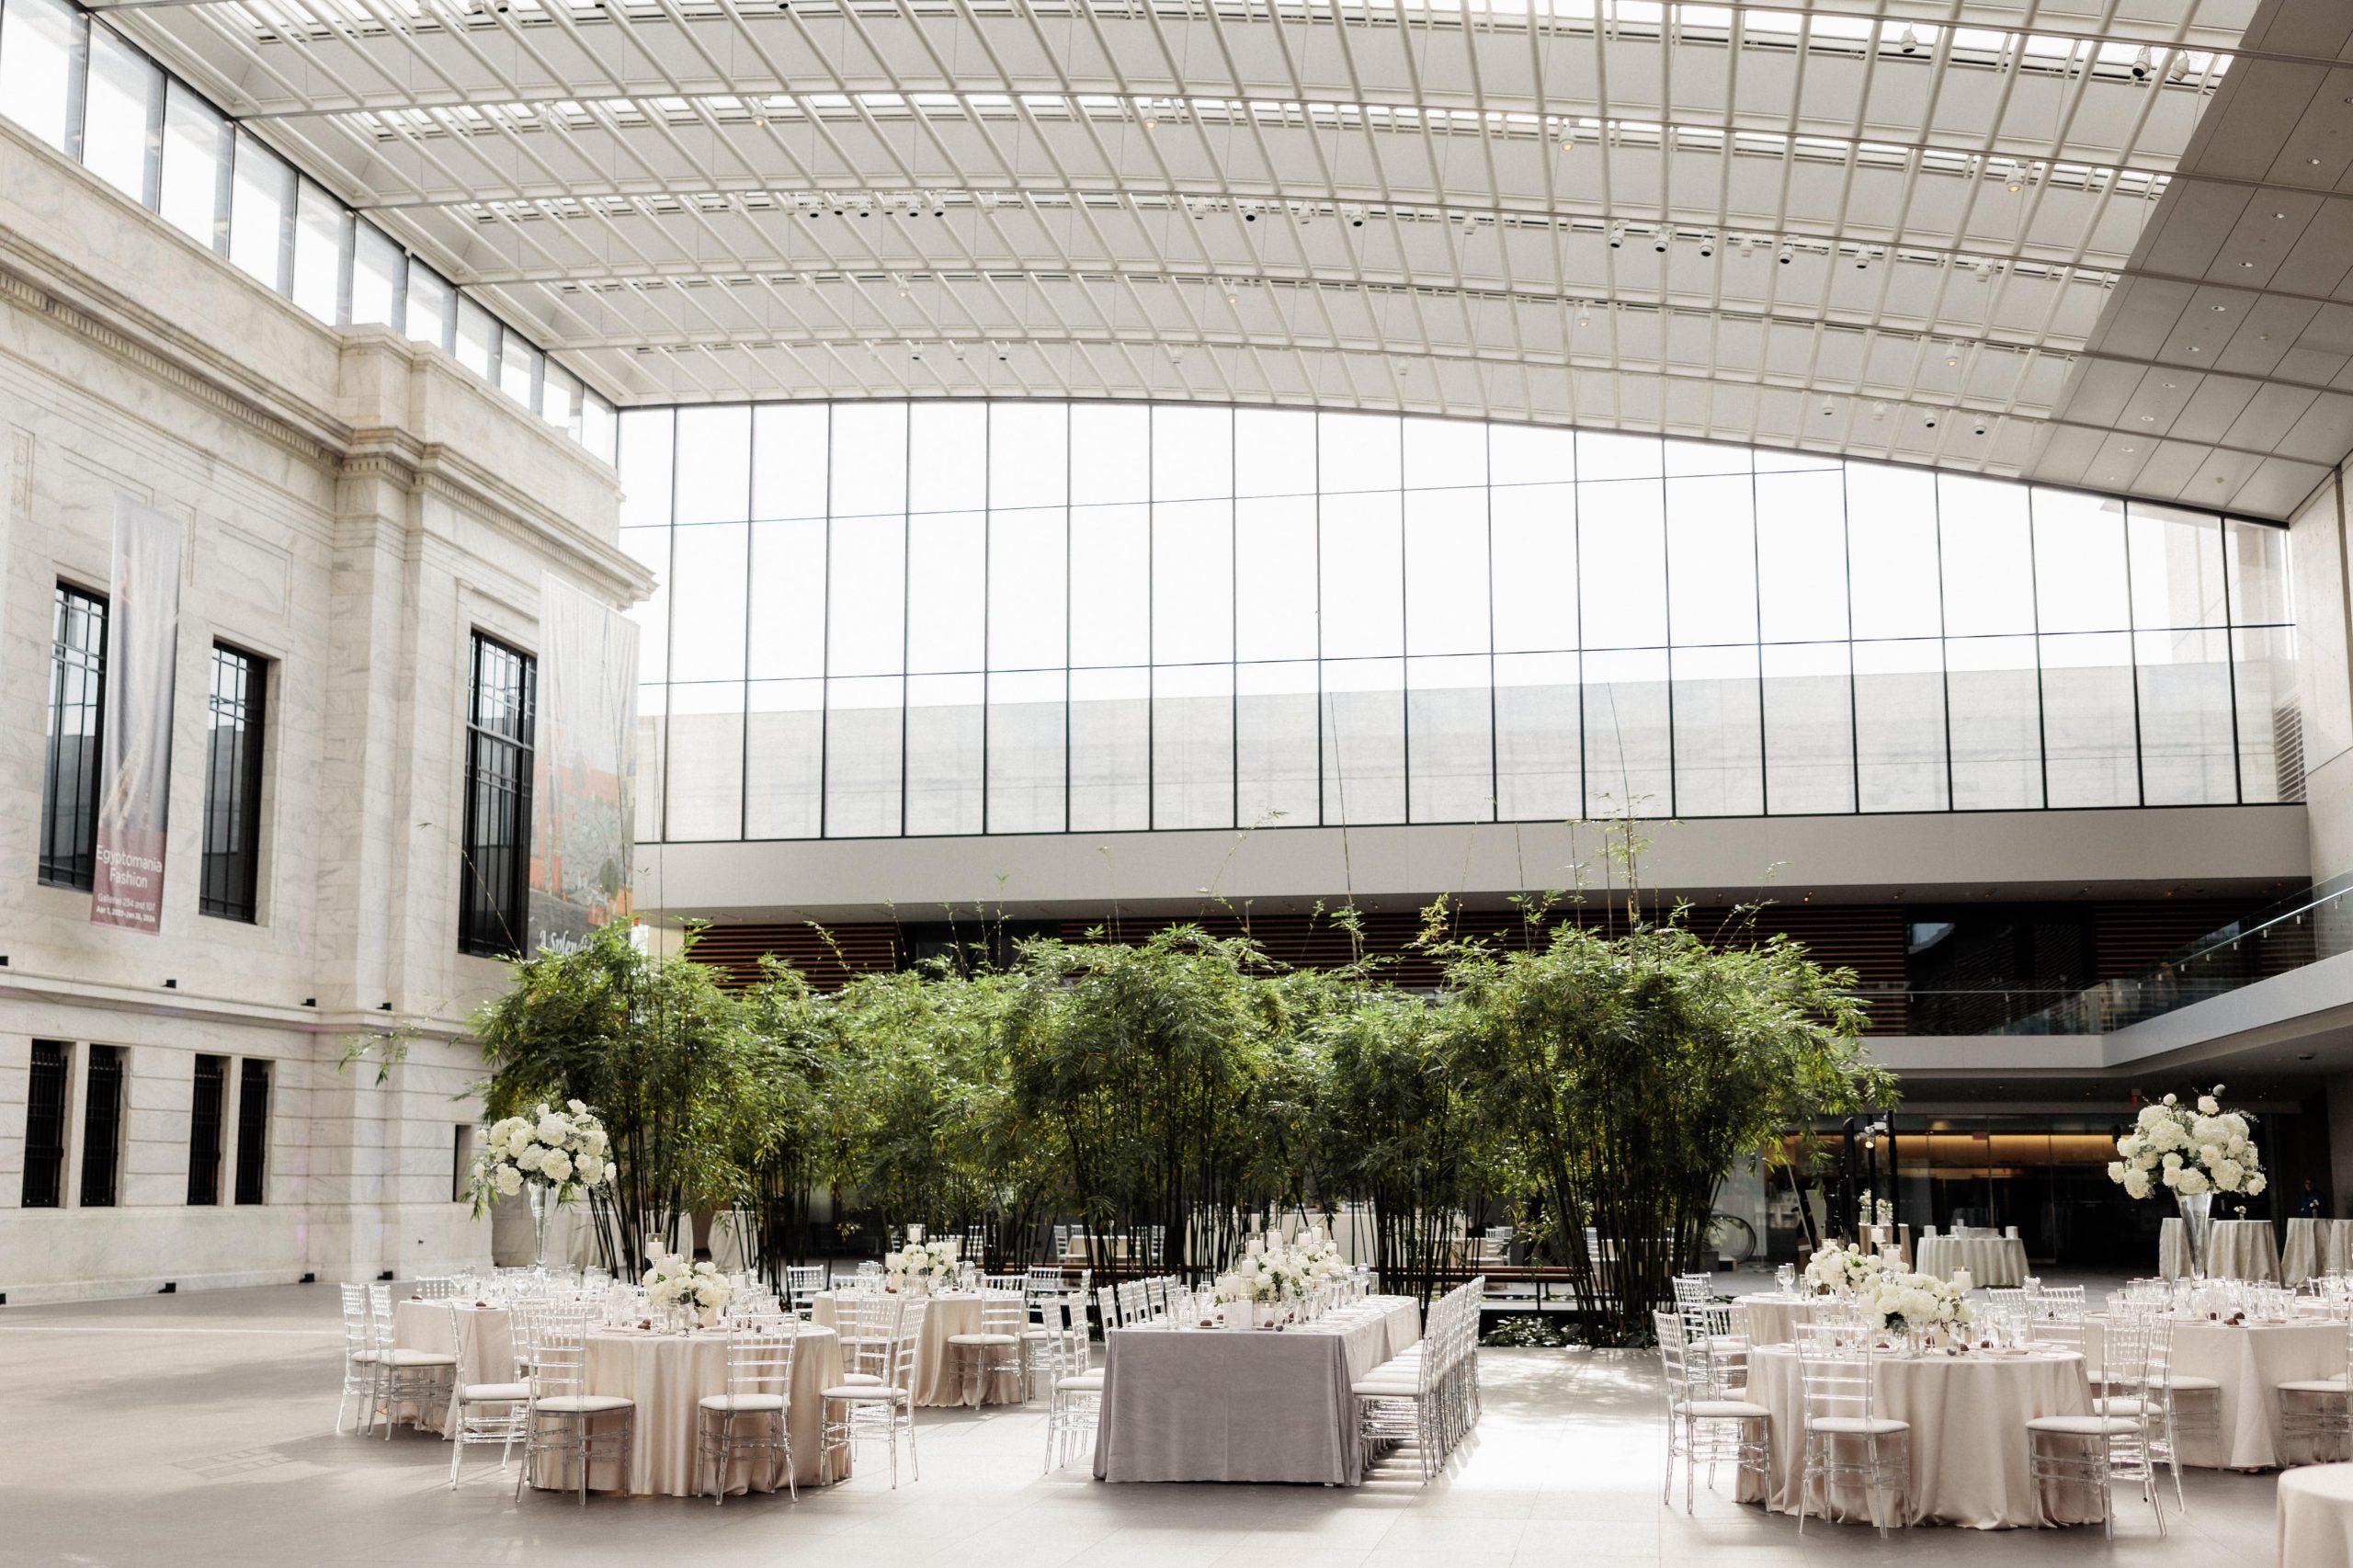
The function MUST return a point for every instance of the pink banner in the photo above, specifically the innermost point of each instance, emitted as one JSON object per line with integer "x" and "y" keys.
{"x": 135, "y": 759}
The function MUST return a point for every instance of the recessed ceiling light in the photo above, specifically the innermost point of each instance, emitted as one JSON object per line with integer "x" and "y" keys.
{"x": 2220, "y": 309}
{"x": 2246, "y": 264}
{"x": 2314, "y": 162}
{"x": 2148, "y": 419}
{"x": 2128, "y": 449}
{"x": 2279, "y": 214}
{"x": 2170, "y": 386}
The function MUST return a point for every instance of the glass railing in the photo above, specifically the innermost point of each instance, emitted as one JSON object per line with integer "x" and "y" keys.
{"x": 2314, "y": 924}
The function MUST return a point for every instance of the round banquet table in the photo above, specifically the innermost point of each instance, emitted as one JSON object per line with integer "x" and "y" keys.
{"x": 2236, "y": 1249}
{"x": 2250, "y": 1362}
{"x": 937, "y": 1385}
{"x": 1969, "y": 1439}
{"x": 1773, "y": 1317}
{"x": 489, "y": 1348}
{"x": 2316, "y": 1516}
{"x": 1991, "y": 1260}
{"x": 666, "y": 1374}
{"x": 2316, "y": 1246}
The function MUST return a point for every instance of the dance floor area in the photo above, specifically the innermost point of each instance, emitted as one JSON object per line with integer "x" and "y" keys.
{"x": 196, "y": 1429}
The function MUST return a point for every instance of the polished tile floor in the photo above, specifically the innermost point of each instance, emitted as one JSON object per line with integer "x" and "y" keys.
{"x": 195, "y": 1430}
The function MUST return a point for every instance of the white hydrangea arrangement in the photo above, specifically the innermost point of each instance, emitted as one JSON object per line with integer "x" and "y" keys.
{"x": 671, "y": 1281}
{"x": 565, "y": 1151}
{"x": 2188, "y": 1150}
{"x": 1916, "y": 1304}
{"x": 1837, "y": 1267}
{"x": 1281, "y": 1272}
{"x": 932, "y": 1263}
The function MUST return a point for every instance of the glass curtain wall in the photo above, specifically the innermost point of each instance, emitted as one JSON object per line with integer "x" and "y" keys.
{"x": 884, "y": 619}
{"x": 82, "y": 88}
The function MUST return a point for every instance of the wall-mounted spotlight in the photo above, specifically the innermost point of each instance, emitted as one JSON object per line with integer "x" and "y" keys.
{"x": 1788, "y": 253}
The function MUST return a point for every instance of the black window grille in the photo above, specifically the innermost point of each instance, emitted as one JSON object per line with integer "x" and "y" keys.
{"x": 102, "y": 1128}
{"x": 45, "y": 1127}
{"x": 204, "y": 1130}
{"x": 252, "y": 1133}
{"x": 68, "y": 801}
{"x": 461, "y": 1160}
{"x": 497, "y": 844}
{"x": 233, "y": 786}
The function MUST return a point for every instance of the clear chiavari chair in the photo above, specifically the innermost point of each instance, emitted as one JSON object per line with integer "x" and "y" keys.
{"x": 754, "y": 1415}
{"x": 2317, "y": 1409}
{"x": 865, "y": 1322}
{"x": 884, "y": 1411}
{"x": 1107, "y": 1302}
{"x": 1702, "y": 1425}
{"x": 993, "y": 1350}
{"x": 561, "y": 1419}
{"x": 2112, "y": 1443}
{"x": 433, "y": 1288}
{"x": 492, "y": 1409}
{"x": 360, "y": 1357}
{"x": 1842, "y": 1416}
{"x": 412, "y": 1377}
{"x": 804, "y": 1283}
{"x": 1075, "y": 1395}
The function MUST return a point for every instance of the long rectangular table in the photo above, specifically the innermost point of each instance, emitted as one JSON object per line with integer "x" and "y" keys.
{"x": 1214, "y": 1405}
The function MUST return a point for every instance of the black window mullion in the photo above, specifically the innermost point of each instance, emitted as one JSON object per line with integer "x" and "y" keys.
{"x": 205, "y": 1118}
{"x": 500, "y": 733}
{"x": 252, "y": 1133}
{"x": 232, "y": 787}
{"x": 76, "y": 731}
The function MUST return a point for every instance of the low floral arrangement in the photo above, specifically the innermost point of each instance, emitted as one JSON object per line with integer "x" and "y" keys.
{"x": 933, "y": 1263}
{"x": 564, "y": 1150}
{"x": 2188, "y": 1149}
{"x": 1916, "y": 1304}
{"x": 674, "y": 1282}
{"x": 1837, "y": 1267}
{"x": 1281, "y": 1272}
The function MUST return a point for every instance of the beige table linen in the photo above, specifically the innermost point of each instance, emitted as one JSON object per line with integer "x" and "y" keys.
{"x": 1991, "y": 1260}
{"x": 1265, "y": 1405}
{"x": 2250, "y": 1363}
{"x": 666, "y": 1375}
{"x": 1968, "y": 1444}
{"x": 938, "y": 1386}
{"x": 490, "y": 1349}
{"x": 1773, "y": 1317}
{"x": 2315, "y": 1247}
{"x": 2236, "y": 1249}
{"x": 2315, "y": 1509}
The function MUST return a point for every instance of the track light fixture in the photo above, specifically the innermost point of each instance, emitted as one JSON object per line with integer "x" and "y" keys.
{"x": 1658, "y": 242}
{"x": 1706, "y": 245}
{"x": 1910, "y": 41}
{"x": 1828, "y": 408}
{"x": 1931, "y": 419}
{"x": 1616, "y": 235}
{"x": 2143, "y": 62}
{"x": 1788, "y": 253}
{"x": 1979, "y": 428}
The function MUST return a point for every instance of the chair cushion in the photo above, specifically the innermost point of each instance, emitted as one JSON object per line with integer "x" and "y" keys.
{"x": 1386, "y": 1388}
{"x": 368, "y": 1356}
{"x": 1856, "y": 1426}
{"x": 742, "y": 1402}
{"x": 584, "y": 1404}
{"x": 2181, "y": 1384}
{"x": 2084, "y": 1426}
{"x": 417, "y": 1357}
{"x": 866, "y": 1380}
{"x": 1727, "y": 1410}
{"x": 1080, "y": 1382}
{"x": 2312, "y": 1385}
{"x": 493, "y": 1393}
{"x": 864, "y": 1392}
{"x": 981, "y": 1340}
{"x": 2122, "y": 1406}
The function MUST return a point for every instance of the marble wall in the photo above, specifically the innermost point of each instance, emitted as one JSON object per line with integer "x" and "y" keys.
{"x": 358, "y": 505}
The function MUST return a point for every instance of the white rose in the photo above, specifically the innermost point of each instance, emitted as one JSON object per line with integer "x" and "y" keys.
{"x": 577, "y": 1108}
{"x": 510, "y": 1180}
{"x": 596, "y": 1141}
{"x": 2208, "y": 1106}
{"x": 588, "y": 1168}
{"x": 2172, "y": 1161}
{"x": 2136, "y": 1185}
{"x": 2193, "y": 1182}
{"x": 2255, "y": 1184}
{"x": 2169, "y": 1099}
{"x": 557, "y": 1166}
{"x": 532, "y": 1157}
{"x": 553, "y": 1129}
{"x": 2116, "y": 1170}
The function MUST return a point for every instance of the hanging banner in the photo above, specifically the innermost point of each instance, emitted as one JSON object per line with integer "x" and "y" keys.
{"x": 135, "y": 755}
{"x": 583, "y": 767}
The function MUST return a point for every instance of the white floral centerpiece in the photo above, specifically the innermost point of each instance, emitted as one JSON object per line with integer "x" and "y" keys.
{"x": 675, "y": 1284}
{"x": 2193, "y": 1151}
{"x": 554, "y": 1156}
{"x": 1837, "y": 1267}
{"x": 1276, "y": 1273}
{"x": 1916, "y": 1304}
{"x": 925, "y": 1265}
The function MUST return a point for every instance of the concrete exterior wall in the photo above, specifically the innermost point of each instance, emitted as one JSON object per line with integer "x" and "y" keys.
{"x": 356, "y": 505}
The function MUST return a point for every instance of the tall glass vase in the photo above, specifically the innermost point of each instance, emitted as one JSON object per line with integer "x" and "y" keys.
{"x": 2197, "y": 1222}
{"x": 543, "y": 1207}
